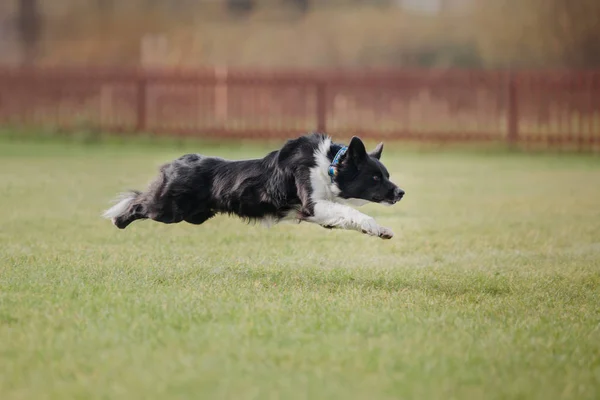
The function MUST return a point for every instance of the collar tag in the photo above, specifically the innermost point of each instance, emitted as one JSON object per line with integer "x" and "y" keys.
{"x": 332, "y": 171}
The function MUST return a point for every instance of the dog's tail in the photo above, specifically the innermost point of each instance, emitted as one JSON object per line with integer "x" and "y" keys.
{"x": 126, "y": 210}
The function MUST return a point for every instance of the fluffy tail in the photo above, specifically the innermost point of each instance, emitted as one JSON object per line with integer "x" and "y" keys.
{"x": 126, "y": 210}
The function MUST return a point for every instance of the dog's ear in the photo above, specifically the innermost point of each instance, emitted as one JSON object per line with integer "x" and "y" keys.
{"x": 377, "y": 152}
{"x": 357, "y": 152}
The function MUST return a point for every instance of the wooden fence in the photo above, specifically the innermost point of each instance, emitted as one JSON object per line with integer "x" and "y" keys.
{"x": 554, "y": 108}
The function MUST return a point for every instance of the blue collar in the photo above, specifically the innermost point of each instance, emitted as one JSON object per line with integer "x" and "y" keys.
{"x": 332, "y": 171}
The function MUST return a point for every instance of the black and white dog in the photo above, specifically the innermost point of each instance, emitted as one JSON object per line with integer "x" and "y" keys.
{"x": 309, "y": 179}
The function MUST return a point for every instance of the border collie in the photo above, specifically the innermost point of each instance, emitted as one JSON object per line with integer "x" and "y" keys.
{"x": 309, "y": 179}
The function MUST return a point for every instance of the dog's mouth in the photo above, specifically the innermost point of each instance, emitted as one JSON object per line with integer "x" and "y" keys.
{"x": 388, "y": 202}
{"x": 390, "y": 198}
{"x": 382, "y": 200}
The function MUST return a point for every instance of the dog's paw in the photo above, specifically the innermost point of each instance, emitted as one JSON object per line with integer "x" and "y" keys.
{"x": 370, "y": 227}
{"x": 385, "y": 233}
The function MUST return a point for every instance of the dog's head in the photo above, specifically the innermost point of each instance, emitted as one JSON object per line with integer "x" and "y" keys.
{"x": 362, "y": 176}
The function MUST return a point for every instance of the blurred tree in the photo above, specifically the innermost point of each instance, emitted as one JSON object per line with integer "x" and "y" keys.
{"x": 574, "y": 27}
{"x": 300, "y": 5}
{"x": 105, "y": 5}
{"x": 29, "y": 27}
{"x": 524, "y": 33}
{"x": 241, "y": 7}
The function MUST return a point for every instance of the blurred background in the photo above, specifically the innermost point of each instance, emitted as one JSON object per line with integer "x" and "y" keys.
{"x": 490, "y": 114}
{"x": 516, "y": 70}
{"x": 302, "y": 33}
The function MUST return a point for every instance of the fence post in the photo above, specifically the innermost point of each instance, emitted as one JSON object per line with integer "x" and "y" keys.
{"x": 141, "y": 103}
{"x": 513, "y": 110}
{"x": 321, "y": 106}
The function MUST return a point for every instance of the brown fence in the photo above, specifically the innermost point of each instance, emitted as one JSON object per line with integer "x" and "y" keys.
{"x": 555, "y": 108}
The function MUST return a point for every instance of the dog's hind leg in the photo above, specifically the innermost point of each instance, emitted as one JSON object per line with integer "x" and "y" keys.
{"x": 199, "y": 217}
{"x": 136, "y": 212}
{"x": 172, "y": 197}
{"x": 127, "y": 210}
{"x": 165, "y": 210}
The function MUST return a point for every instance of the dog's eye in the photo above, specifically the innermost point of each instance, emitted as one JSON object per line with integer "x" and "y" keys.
{"x": 376, "y": 178}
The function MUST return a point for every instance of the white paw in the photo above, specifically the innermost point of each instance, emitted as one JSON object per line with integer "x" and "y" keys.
{"x": 385, "y": 233}
{"x": 370, "y": 227}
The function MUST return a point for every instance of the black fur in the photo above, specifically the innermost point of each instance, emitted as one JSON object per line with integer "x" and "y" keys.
{"x": 194, "y": 188}
{"x": 363, "y": 176}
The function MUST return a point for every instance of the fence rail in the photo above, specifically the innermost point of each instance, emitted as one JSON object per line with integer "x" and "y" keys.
{"x": 556, "y": 108}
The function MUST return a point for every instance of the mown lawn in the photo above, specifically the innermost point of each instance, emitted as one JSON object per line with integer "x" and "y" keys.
{"x": 490, "y": 288}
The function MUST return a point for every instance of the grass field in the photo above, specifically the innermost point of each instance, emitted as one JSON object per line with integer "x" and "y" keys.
{"x": 490, "y": 288}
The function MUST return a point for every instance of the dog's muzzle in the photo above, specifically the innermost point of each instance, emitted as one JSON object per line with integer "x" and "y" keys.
{"x": 398, "y": 194}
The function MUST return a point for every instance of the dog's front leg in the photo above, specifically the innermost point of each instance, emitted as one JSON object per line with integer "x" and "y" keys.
{"x": 334, "y": 215}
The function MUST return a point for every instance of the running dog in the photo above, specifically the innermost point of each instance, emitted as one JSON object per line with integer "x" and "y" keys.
{"x": 309, "y": 179}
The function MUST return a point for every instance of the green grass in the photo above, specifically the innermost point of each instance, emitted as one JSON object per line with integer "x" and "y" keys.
{"x": 490, "y": 288}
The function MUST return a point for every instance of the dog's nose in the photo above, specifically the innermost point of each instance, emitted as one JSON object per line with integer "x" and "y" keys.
{"x": 399, "y": 193}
